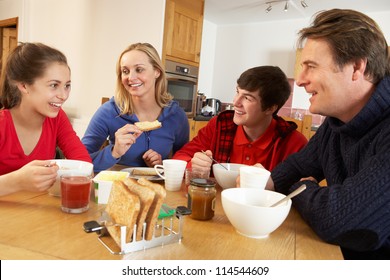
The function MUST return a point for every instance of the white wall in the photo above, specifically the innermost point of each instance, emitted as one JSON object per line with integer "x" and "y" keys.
{"x": 10, "y": 8}
{"x": 239, "y": 47}
{"x": 207, "y": 57}
{"x": 92, "y": 34}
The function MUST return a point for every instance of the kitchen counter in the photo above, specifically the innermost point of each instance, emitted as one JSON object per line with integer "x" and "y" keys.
{"x": 202, "y": 118}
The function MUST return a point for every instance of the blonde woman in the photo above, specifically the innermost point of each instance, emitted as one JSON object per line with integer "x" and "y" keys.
{"x": 141, "y": 95}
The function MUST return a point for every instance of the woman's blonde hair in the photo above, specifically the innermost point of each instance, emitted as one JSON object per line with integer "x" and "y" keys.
{"x": 123, "y": 99}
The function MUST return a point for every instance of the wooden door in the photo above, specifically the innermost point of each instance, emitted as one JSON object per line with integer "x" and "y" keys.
{"x": 9, "y": 42}
{"x": 8, "y": 39}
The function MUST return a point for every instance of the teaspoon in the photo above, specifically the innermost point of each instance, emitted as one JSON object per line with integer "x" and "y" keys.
{"x": 294, "y": 193}
{"x": 203, "y": 152}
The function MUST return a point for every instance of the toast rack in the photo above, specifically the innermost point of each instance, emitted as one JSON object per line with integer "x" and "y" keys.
{"x": 167, "y": 231}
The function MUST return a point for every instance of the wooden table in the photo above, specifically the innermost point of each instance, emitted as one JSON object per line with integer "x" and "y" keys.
{"x": 34, "y": 227}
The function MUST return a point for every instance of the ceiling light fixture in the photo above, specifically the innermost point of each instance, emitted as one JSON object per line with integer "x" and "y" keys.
{"x": 286, "y": 5}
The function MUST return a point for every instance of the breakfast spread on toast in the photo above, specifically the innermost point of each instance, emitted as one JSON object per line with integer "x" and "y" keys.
{"x": 148, "y": 126}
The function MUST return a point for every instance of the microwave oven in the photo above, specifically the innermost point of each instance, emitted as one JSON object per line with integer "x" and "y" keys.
{"x": 182, "y": 80}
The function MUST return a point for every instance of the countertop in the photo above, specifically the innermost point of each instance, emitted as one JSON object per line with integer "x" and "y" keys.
{"x": 202, "y": 118}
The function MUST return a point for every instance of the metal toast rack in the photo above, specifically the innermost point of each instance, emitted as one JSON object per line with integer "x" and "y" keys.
{"x": 167, "y": 231}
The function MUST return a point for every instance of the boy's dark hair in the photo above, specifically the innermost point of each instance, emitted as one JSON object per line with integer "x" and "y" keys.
{"x": 272, "y": 83}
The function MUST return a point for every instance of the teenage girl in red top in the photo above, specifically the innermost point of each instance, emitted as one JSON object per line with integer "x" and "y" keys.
{"x": 34, "y": 85}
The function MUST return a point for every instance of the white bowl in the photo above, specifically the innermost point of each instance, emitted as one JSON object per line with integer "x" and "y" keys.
{"x": 248, "y": 210}
{"x": 69, "y": 166}
{"x": 227, "y": 178}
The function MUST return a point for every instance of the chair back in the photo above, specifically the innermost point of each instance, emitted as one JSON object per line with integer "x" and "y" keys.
{"x": 304, "y": 125}
{"x": 106, "y": 142}
{"x": 104, "y": 100}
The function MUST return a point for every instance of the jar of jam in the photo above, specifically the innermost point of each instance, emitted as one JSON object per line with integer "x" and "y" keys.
{"x": 201, "y": 198}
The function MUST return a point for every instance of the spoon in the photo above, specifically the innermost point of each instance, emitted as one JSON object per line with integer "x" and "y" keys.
{"x": 203, "y": 152}
{"x": 294, "y": 193}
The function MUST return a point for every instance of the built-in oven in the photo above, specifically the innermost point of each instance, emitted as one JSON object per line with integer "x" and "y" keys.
{"x": 182, "y": 85}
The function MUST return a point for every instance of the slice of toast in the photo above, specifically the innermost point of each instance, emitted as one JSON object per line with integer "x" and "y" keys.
{"x": 146, "y": 197}
{"x": 143, "y": 172}
{"x": 151, "y": 219}
{"x": 147, "y": 126}
{"x": 123, "y": 207}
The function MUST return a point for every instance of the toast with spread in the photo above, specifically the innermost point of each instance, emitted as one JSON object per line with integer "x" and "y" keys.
{"x": 147, "y": 126}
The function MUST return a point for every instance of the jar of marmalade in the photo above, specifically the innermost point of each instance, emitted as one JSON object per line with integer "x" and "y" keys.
{"x": 201, "y": 198}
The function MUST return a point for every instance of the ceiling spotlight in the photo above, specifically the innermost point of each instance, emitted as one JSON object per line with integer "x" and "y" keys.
{"x": 303, "y": 3}
{"x": 286, "y": 7}
{"x": 286, "y": 4}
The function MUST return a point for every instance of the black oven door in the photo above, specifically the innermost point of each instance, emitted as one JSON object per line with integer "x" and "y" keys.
{"x": 183, "y": 90}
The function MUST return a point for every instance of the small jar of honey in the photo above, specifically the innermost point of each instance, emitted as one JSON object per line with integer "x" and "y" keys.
{"x": 201, "y": 198}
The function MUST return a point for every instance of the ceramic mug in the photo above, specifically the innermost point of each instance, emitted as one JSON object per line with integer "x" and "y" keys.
{"x": 173, "y": 170}
{"x": 253, "y": 177}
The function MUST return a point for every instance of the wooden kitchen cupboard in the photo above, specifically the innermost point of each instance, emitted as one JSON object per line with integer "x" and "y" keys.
{"x": 183, "y": 31}
{"x": 297, "y": 66}
{"x": 195, "y": 126}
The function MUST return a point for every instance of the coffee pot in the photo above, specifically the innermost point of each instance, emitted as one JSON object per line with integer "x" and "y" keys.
{"x": 212, "y": 107}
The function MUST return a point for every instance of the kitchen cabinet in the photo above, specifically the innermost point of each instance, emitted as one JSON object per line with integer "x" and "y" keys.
{"x": 298, "y": 66}
{"x": 195, "y": 126}
{"x": 183, "y": 31}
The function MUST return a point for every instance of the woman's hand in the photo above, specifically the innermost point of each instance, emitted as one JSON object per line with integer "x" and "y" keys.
{"x": 124, "y": 138}
{"x": 152, "y": 158}
{"x": 202, "y": 161}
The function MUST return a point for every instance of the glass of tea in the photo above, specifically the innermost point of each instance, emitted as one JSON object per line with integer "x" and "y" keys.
{"x": 75, "y": 193}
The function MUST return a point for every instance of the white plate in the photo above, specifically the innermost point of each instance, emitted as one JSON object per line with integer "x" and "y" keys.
{"x": 150, "y": 178}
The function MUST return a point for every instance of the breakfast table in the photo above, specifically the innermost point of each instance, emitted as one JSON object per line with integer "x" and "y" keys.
{"x": 34, "y": 227}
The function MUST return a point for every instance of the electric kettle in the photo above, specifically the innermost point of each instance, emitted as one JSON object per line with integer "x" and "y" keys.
{"x": 212, "y": 107}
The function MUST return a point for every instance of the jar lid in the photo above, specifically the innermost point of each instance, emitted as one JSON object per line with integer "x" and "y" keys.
{"x": 204, "y": 183}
